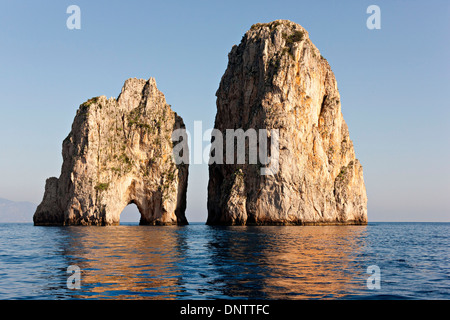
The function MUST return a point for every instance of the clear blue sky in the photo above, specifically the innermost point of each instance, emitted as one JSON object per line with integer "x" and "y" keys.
{"x": 394, "y": 84}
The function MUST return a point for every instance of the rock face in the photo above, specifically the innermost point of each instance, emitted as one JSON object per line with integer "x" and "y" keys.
{"x": 119, "y": 152}
{"x": 277, "y": 79}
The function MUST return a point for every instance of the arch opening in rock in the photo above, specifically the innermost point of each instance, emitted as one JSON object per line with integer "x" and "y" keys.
{"x": 130, "y": 215}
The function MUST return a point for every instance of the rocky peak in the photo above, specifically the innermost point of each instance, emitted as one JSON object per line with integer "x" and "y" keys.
{"x": 119, "y": 152}
{"x": 277, "y": 79}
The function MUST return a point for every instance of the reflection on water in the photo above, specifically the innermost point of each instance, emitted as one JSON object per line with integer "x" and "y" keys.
{"x": 126, "y": 262}
{"x": 205, "y": 262}
{"x": 201, "y": 262}
{"x": 288, "y": 262}
{"x": 316, "y": 262}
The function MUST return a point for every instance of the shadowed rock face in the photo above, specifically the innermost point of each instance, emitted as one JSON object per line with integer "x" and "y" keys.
{"x": 119, "y": 152}
{"x": 277, "y": 79}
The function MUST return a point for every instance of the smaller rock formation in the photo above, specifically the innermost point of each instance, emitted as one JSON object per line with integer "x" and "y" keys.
{"x": 119, "y": 152}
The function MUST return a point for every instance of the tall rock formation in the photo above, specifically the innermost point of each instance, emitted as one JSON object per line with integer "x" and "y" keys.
{"x": 119, "y": 152}
{"x": 277, "y": 79}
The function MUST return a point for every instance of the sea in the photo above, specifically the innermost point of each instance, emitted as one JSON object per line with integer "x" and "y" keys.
{"x": 396, "y": 261}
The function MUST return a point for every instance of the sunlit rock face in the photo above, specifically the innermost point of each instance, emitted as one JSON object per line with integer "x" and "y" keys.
{"x": 277, "y": 79}
{"x": 119, "y": 152}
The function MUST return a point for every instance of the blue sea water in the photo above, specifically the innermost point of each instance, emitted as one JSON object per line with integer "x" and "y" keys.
{"x": 208, "y": 262}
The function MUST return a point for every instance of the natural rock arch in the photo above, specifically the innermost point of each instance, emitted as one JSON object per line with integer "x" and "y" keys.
{"x": 119, "y": 151}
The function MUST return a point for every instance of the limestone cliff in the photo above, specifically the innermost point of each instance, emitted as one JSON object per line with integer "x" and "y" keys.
{"x": 119, "y": 152}
{"x": 277, "y": 79}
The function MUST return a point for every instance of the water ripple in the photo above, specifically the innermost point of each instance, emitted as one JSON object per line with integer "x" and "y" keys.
{"x": 205, "y": 262}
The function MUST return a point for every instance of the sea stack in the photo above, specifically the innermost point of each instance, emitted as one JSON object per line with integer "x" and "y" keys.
{"x": 276, "y": 79}
{"x": 119, "y": 152}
